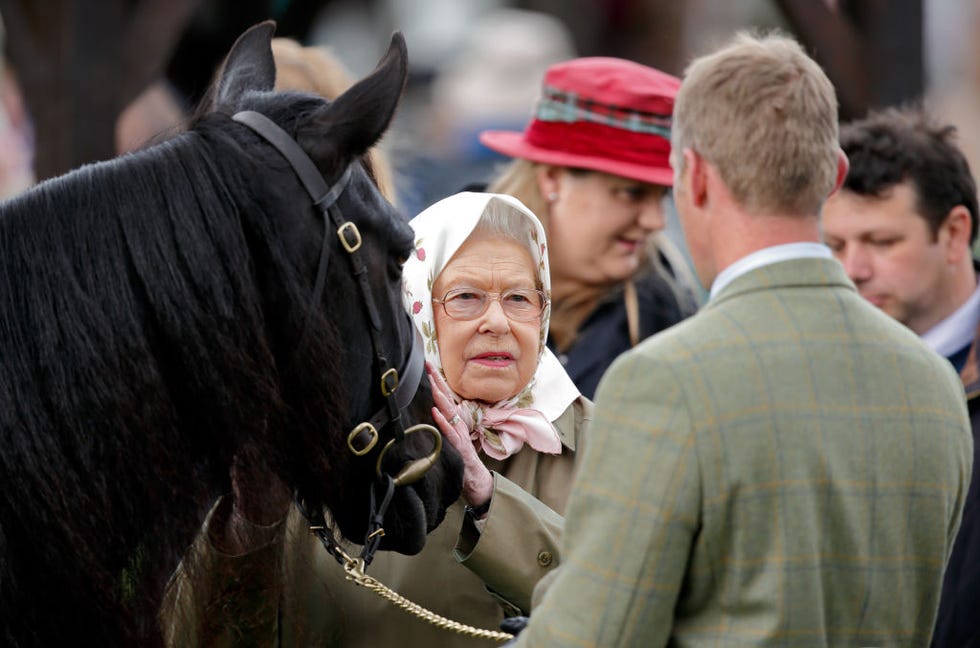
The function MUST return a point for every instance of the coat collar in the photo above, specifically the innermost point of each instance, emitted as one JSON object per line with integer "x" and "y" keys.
{"x": 565, "y": 424}
{"x": 970, "y": 373}
{"x": 573, "y": 420}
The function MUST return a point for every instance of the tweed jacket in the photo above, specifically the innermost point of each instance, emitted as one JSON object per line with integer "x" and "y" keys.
{"x": 289, "y": 592}
{"x": 787, "y": 467}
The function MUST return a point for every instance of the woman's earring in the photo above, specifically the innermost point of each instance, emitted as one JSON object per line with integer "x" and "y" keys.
{"x": 552, "y": 196}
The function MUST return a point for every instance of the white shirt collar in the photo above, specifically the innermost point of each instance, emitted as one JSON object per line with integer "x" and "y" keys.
{"x": 956, "y": 331}
{"x": 767, "y": 256}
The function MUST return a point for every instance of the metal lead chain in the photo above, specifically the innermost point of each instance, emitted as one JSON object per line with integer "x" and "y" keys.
{"x": 354, "y": 567}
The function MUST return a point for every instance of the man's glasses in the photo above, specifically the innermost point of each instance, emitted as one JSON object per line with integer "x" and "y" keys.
{"x": 520, "y": 305}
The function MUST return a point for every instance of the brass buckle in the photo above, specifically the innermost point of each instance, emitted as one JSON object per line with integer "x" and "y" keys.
{"x": 389, "y": 382}
{"x": 343, "y": 231}
{"x": 414, "y": 470}
{"x": 356, "y": 432}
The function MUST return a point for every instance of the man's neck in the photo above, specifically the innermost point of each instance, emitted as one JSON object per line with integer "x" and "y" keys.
{"x": 958, "y": 287}
{"x": 750, "y": 233}
{"x": 964, "y": 281}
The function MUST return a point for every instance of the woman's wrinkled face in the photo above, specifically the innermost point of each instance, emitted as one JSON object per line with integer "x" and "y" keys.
{"x": 490, "y": 358}
{"x": 598, "y": 226}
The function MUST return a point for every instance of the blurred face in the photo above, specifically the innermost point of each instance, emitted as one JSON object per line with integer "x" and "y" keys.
{"x": 598, "y": 226}
{"x": 889, "y": 252}
{"x": 490, "y": 358}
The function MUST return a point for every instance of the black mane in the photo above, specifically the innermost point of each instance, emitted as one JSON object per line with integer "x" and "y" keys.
{"x": 133, "y": 332}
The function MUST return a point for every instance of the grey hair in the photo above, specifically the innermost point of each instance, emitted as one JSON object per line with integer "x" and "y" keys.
{"x": 503, "y": 219}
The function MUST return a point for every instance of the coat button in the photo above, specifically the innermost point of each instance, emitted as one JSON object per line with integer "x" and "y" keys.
{"x": 545, "y": 558}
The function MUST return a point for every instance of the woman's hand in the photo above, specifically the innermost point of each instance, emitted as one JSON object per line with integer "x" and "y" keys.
{"x": 477, "y": 480}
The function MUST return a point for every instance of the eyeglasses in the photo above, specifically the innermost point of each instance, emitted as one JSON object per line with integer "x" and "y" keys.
{"x": 520, "y": 304}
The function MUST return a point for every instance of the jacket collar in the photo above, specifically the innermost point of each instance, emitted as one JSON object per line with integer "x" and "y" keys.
{"x": 796, "y": 273}
{"x": 766, "y": 256}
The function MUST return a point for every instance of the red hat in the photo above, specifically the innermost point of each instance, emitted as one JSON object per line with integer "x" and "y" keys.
{"x": 599, "y": 113}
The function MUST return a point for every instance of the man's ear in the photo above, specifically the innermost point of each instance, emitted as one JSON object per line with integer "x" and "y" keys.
{"x": 843, "y": 165}
{"x": 695, "y": 177}
{"x": 954, "y": 232}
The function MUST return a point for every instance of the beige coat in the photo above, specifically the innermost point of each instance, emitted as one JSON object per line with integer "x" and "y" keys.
{"x": 290, "y": 592}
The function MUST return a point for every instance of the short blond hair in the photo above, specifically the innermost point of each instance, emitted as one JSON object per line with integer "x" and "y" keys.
{"x": 764, "y": 114}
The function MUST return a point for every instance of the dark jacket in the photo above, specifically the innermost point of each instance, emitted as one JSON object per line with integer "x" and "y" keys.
{"x": 663, "y": 301}
{"x": 958, "y": 621}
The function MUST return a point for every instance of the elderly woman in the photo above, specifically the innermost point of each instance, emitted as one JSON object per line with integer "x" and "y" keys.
{"x": 478, "y": 290}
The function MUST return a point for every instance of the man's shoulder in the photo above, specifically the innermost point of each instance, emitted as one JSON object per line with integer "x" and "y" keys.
{"x": 789, "y": 318}
{"x": 666, "y": 355}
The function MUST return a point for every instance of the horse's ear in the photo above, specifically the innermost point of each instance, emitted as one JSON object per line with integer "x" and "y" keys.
{"x": 249, "y": 66}
{"x": 359, "y": 117}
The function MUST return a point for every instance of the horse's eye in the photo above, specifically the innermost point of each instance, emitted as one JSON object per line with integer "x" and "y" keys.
{"x": 402, "y": 260}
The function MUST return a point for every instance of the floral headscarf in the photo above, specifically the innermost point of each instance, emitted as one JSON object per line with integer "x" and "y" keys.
{"x": 500, "y": 429}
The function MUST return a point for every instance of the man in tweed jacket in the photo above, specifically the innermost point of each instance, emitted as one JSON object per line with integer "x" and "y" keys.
{"x": 787, "y": 467}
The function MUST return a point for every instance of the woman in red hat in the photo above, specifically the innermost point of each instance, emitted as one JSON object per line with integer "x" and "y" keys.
{"x": 592, "y": 164}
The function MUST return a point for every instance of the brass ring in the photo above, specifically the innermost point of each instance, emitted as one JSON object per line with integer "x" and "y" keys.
{"x": 414, "y": 471}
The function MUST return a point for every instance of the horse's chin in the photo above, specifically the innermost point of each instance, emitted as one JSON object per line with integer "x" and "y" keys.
{"x": 405, "y": 531}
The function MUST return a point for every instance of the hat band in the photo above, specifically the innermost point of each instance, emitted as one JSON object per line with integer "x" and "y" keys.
{"x": 599, "y": 141}
{"x": 560, "y": 106}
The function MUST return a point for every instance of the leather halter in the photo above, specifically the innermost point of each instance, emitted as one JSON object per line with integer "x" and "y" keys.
{"x": 398, "y": 386}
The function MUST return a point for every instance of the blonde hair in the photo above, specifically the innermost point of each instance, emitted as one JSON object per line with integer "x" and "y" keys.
{"x": 764, "y": 114}
{"x": 519, "y": 179}
{"x": 318, "y": 71}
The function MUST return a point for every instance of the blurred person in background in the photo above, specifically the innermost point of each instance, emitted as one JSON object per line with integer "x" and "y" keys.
{"x": 489, "y": 81}
{"x": 158, "y": 110}
{"x": 592, "y": 164}
{"x": 16, "y": 133}
{"x": 157, "y": 113}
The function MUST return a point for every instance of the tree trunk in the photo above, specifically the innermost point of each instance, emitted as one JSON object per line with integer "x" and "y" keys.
{"x": 80, "y": 63}
{"x": 871, "y": 49}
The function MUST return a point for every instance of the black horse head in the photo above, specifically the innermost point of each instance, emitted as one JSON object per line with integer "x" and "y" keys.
{"x": 159, "y": 314}
{"x": 336, "y": 137}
